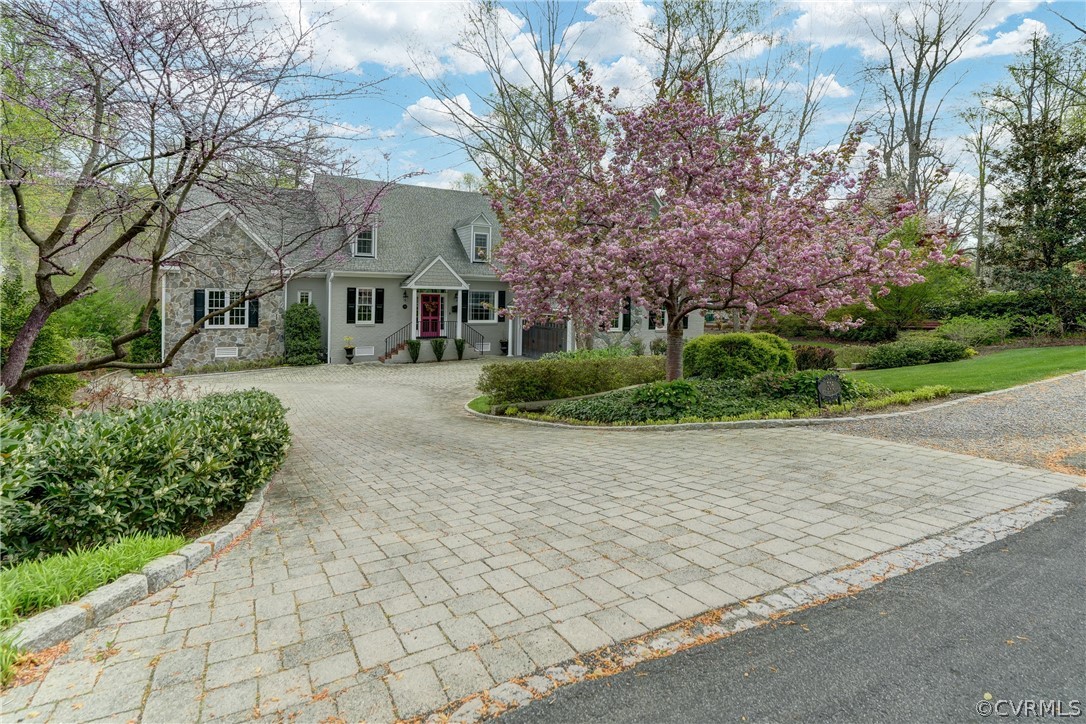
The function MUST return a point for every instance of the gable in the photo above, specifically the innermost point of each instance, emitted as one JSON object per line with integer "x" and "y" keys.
{"x": 435, "y": 274}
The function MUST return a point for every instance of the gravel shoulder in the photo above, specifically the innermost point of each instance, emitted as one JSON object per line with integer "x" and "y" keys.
{"x": 1040, "y": 425}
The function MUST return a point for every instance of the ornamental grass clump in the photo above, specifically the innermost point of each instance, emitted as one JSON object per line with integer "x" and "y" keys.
{"x": 155, "y": 469}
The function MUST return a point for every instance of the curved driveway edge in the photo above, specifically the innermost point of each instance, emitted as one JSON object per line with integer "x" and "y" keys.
{"x": 59, "y": 624}
{"x": 410, "y": 555}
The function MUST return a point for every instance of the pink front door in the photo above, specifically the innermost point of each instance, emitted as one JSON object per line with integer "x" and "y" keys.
{"x": 430, "y": 315}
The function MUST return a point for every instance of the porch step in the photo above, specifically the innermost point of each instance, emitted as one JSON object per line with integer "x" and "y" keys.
{"x": 400, "y": 355}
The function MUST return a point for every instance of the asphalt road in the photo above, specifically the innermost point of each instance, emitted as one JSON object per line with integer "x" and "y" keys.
{"x": 1008, "y": 619}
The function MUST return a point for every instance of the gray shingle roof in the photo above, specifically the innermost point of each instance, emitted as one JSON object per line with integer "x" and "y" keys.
{"x": 414, "y": 224}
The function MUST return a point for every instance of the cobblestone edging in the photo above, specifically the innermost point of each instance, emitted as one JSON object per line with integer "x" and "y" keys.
{"x": 59, "y": 624}
{"x": 749, "y": 424}
{"x": 723, "y": 622}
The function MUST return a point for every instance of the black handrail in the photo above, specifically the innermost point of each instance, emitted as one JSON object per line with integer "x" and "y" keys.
{"x": 473, "y": 337}
{"x": 397, "y": 338}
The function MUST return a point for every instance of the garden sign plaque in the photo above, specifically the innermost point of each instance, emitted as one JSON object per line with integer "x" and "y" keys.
{"x": 829, "y": 390}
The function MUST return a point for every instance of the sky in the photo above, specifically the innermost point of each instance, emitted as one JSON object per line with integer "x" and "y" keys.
{"x": 411, "y": 45}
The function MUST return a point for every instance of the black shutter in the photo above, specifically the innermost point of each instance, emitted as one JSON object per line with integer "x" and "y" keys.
{"x": 653, "y": 316}
{"x": 501, "y": 302}
{"x": 464, "y": 306}
{"x": 198, "y": 308}
{"x": 686, "y": 322}
{"x": 626, "y": 312}
{"x": 254, "y": 312}
{"x": 379, "y": 306}
{"x": 351, "y": 296}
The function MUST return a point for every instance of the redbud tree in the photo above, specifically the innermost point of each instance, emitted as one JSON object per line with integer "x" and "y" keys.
{"x": 682, "y": 211}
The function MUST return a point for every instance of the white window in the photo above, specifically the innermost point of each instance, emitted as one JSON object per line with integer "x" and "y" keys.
{"x": 482, "y": 307}
{"x": 305, "y": 298}
{"x": 220, "y": 299}
{"x": 364, "y": 311}
{"x": 364, "y": 243}
{"x": 481, "y": 246}
{"x": 616, "y": 322}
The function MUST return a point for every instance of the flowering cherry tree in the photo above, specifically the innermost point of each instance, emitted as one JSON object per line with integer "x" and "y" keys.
{"x": 680, "y": 211}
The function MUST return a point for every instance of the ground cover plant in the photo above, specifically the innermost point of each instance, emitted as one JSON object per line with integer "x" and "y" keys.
{"x": 764, "y": 396}
{"x": 33, "y": 586}
{"x": 984, "y": 373}
{"x": 95, "y": 478}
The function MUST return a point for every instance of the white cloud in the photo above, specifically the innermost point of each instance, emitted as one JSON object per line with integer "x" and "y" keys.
{"x": 822, "y": 86}
{"x": 1009, "y": 43}
{"x": 435, "y": 117}
{"x": 848, "y": 23}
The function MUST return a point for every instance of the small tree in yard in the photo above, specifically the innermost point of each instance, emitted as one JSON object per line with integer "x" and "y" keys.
{"x": 126, "y": 124}
{"x": 675, "y": 209}
{"x": 302, "y": 334}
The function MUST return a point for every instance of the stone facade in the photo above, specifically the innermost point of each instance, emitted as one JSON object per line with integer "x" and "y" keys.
{"x": 237, "y": 260}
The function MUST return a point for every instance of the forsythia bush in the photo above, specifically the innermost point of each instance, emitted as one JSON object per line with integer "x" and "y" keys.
{"x": 92, "y": 479}
{"x": 552, "y": 379}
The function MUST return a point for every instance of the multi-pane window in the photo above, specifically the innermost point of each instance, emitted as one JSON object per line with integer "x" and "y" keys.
{"x": 363, "y": 242}
{"x": 481, "y": 246}
{"x": 364, "y": 310}
{"x": 305, "y": 298}
{"x": 481, "y": 307}
{"x": 220, "y": 299}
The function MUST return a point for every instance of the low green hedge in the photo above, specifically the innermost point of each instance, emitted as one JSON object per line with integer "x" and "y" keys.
{"x": 92, "y": 479}
{"x": 916, "y": 351}
{"x": 737, "y": 355}
{"x": 553, "y": 379}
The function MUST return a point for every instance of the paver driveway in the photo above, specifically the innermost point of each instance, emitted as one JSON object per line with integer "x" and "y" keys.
{"x": 411, "y": 554}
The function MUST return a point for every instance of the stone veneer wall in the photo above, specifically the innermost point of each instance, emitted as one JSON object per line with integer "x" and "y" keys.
{"x": 235, "y": 260}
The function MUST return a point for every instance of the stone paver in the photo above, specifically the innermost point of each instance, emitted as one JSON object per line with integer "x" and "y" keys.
{"x": 409, "y": 551}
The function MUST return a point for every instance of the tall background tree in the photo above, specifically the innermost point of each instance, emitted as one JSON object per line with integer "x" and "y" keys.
{"x": 123, "y": 119}
{"x": 918, "y": 43}
{"x": 1040, "y": 222}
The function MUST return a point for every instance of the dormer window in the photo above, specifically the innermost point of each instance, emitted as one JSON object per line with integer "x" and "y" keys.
{"x": 364, "y": 243}
{"x": 481, "y": 246}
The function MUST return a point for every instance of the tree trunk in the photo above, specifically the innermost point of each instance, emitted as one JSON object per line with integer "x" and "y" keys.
{"x": 19, "y": 352}
{"x": 675, "y": 351}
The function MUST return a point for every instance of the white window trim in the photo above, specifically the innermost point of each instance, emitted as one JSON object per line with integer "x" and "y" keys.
{"x": 372, "y": 228}
{"x": 210, "y": 323}
{"x": 493, "y": 307}
{"x": 358, "y": 306}
{"x": 308, "y": 297}
{"x": 484, "y": 230}
{"x": 618, "y": 319}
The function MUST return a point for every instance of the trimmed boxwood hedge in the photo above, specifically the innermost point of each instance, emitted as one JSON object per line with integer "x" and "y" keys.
{"x": 553, "y": 379}
{"x": 737, "y": 355}
{"x": 90, "y": 480}
{"x": 908, "y": 352}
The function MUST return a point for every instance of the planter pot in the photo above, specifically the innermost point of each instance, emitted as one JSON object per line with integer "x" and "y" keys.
{"x": 349, "y": 351}
{"x": 503, "y": 345}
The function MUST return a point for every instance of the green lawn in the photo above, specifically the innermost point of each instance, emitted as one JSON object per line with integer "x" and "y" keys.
{"x": 481, "y": 404}
{"x": 988, "y": 372}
